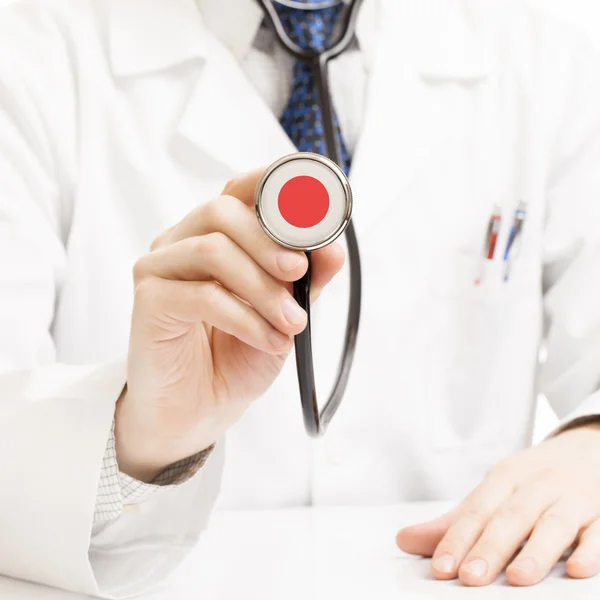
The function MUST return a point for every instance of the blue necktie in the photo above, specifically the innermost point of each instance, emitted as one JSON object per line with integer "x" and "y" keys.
{"x": 301, "y": 119}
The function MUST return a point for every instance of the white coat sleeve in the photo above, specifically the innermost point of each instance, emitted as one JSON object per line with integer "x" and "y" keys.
{"x": 55, "y": 419}
{"x": 570, "y": 377}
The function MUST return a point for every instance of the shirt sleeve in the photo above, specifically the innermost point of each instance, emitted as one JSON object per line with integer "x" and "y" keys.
{"x": 119, "y": 493}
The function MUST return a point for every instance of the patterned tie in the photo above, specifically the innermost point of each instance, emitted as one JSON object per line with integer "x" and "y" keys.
{"x": 301, "y": 119}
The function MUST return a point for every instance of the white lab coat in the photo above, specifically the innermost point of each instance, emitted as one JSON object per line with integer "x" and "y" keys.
{"x": 116, "y": 119}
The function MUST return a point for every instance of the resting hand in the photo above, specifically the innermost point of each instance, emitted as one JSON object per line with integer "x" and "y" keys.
{"x": 547, "y": 496}
{"x": 213, "y": 322}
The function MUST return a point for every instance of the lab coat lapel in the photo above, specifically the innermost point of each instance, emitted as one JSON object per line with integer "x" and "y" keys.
{"x": 226, "y": 119}
{"x": 410, "y": 116}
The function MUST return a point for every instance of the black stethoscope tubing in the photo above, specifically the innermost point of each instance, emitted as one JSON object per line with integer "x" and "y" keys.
{"x": 315, "y": 420}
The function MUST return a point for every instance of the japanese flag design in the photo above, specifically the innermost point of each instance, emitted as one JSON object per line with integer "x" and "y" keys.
{"x": 303, "y": 201}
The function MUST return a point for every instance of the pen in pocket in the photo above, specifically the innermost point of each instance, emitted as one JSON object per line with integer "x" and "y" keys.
{"x": 514, "y": 237}
{"x": 491, "y": 238}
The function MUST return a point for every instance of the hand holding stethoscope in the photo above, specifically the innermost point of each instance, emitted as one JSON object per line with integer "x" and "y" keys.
{"x": 208, "y": 295}
{"x": 304, "y": 202}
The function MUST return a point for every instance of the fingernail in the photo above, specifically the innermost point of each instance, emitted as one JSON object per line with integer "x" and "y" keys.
{"x": 582, "y": 566}
{"x": 278, "y": 340}
{"x": 444, "y": 564}
{"x": 525, "y": 565}
{"x": 292, "y": 312}
{"x": 288, "y": 261}
{"x": 478, "y": 568}
{"x": 584, "y": 561}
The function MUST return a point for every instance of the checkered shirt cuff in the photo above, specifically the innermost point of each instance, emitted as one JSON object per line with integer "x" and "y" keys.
{"x": 117, "y": 490}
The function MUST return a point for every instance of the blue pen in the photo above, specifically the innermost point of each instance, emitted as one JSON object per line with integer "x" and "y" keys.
{"x": 512, "y": 245}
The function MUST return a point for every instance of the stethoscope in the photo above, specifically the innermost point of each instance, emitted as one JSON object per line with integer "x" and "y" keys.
{"x": 284, "y": 182}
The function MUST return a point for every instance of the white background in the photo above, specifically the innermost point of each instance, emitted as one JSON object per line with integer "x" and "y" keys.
{"x": 584, "y": 14}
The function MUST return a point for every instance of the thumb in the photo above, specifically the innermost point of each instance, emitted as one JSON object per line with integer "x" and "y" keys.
{"x": 423, "y": 538}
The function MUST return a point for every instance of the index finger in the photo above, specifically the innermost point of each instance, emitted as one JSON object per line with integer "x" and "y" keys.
{"x": 472, "y": 517}
{"x": 241, "y": 187}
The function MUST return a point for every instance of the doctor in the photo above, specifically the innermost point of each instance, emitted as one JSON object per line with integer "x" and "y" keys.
{"x": 124, "y": 127}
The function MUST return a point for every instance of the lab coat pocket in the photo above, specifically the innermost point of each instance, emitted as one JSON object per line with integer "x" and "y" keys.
{"x": 472, "y": 396}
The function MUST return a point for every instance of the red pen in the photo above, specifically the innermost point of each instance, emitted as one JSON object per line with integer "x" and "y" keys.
{"x": 491, "y": 239}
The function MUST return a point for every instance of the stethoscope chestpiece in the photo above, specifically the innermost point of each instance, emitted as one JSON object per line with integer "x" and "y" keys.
{"x": 303, "y": 201}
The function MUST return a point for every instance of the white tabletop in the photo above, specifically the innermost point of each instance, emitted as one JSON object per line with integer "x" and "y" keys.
{"x": 319, "y": 554}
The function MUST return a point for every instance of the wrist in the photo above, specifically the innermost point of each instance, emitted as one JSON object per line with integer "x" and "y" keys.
{"x": 143, "y": 450}
{"x": 132, "y": 454}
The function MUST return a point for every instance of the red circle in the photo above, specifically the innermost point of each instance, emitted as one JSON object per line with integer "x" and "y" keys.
{"x": 303, "y": 201}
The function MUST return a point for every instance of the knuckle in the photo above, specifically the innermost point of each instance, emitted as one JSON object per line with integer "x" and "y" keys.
{"x": 196, "y": 245}
{"x": 222, "y": 211}
{"x": 559, "y": 520}
{"x": 215, "y": 244}
{"x": 212, "y": 212}
{"x": 511, "y": 512}
{"x": 230, "y": 186}
{"x": 208, "y": 246}
{"x": 140, "y": 268}
{"x": 157, "y": 242}
{"x": 475, "y": 515}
